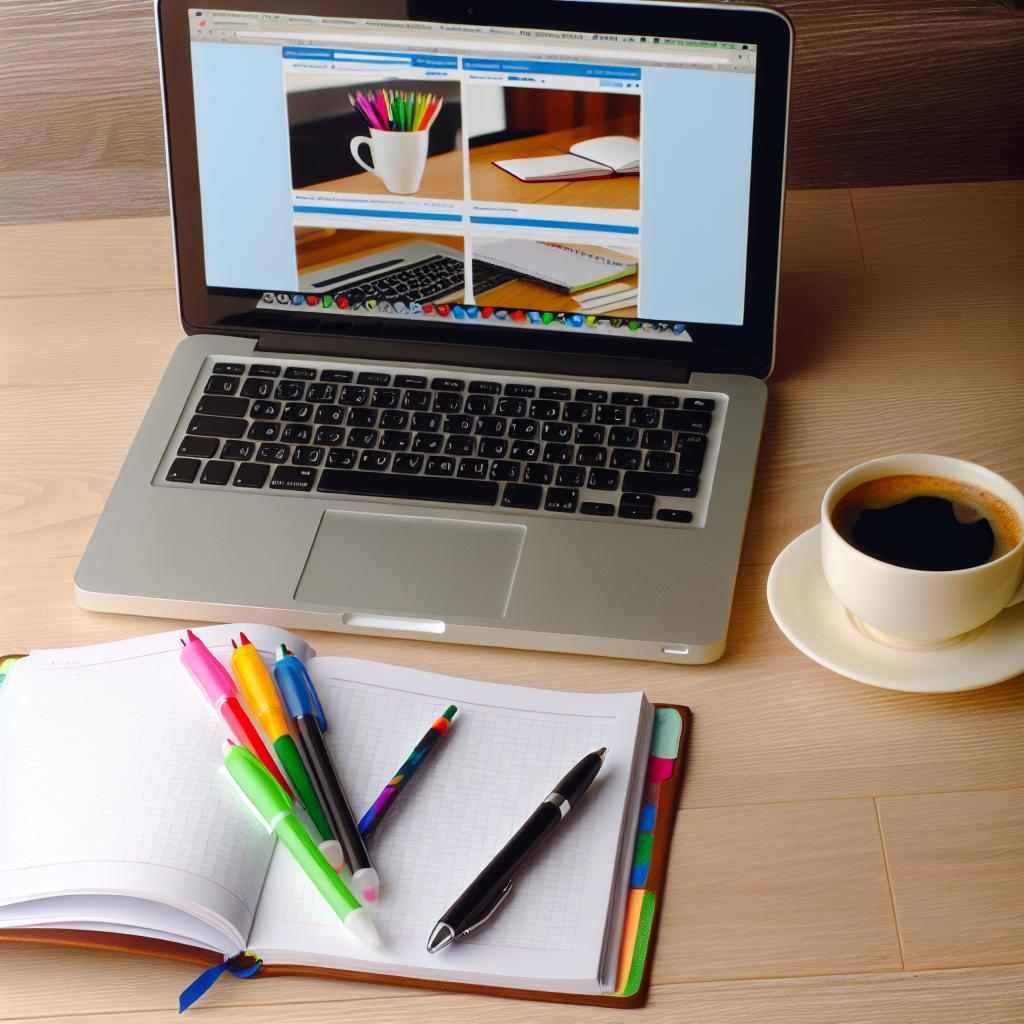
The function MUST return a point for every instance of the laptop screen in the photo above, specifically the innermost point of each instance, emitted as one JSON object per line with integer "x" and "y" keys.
{"x": 561, "y": 181}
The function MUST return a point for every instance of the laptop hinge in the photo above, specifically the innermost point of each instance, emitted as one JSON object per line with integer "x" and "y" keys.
{"x": 481, "y": 357}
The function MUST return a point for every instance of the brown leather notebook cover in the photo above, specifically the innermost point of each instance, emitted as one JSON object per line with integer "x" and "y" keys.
{"x": 666, "y": 805}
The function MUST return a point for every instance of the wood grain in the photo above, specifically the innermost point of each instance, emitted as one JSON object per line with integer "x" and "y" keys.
{"x": 778, "y": 868}
{"x": 956, "y": 862}
{"x": 884, "y": 92}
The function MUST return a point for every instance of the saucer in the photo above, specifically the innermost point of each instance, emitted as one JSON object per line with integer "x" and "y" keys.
{"x": 810, "y": 615}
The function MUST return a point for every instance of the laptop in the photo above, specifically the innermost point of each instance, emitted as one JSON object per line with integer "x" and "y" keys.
{"x": 368, "y": 430}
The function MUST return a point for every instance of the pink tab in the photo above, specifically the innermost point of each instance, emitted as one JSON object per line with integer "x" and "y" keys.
{"x": 660, "y": 768}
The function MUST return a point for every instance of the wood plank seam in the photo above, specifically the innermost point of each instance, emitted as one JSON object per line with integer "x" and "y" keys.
{"x": 888, "y": 882}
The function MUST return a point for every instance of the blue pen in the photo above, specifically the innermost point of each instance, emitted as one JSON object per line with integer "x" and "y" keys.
{"x": 304, "y": 709}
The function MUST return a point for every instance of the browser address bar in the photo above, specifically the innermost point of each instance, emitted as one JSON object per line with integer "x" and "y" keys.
{"x": 482, "y": 46}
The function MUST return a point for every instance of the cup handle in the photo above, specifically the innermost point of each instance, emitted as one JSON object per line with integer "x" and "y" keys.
{"x": 354, "y": 148}
{"x": 1018, "y": 597}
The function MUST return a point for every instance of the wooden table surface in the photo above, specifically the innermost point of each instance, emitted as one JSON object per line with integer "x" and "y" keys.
{"x": 843, "y": 854}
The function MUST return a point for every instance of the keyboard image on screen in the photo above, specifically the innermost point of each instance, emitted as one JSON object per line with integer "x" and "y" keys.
{"x": 552, "y": 448}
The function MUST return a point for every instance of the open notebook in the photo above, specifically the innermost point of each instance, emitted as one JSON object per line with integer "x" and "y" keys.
{"x": 118, "y": 817}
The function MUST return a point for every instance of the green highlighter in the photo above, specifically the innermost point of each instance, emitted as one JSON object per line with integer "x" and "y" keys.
{"x": 272, "y": 807}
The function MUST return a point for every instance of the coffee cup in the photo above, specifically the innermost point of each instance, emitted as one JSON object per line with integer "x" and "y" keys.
{"x": 924, "y": 607}
{"x": 399, "y": 158}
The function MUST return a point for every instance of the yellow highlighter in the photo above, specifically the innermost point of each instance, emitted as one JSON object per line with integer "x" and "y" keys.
{"x": 257, "y": 686}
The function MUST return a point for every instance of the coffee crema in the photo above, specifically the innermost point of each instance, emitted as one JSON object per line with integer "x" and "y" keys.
{"x": 926, "y": 522}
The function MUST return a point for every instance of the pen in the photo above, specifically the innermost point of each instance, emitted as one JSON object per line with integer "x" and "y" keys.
{"x": 487, "y": 891}
{"x": 304, "y": 708}
{"x": 219, "y": 689}
{"x": 261, "y": 695}
{"x": 393, "y": 790}
{"x": 269, "y": 802}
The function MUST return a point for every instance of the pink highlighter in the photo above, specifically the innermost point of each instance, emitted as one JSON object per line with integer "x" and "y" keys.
{"x": 219, "y": 689}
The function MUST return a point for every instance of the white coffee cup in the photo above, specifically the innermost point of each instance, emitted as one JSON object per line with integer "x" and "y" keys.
{"x": 917, "y": 607}
{"x": 398, "y": 158}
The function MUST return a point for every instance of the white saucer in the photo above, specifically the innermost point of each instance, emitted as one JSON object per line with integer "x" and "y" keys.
{"x": 812, "y": 618}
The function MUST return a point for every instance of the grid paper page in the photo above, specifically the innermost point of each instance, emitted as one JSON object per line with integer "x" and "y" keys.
{"x": 110, "y": 758}
{"x": 487, "y": 775}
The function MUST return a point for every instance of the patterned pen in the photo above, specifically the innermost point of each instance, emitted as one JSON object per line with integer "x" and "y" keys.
{"x": 372, "y": 818}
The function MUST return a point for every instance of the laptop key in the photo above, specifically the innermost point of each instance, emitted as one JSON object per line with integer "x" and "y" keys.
{"x": 217, "y": 472}
{"x": 293, "y": 478}
{"x": 447, "y": 384}
{"x": 408, "y": 463}
{"x": 257, "y": 387}
{"x": 597, "y": 508}
{"x": 627, "y": 398}
{"x": 333, "y": 415}
{"x": 301, "y": 372}
{"x": 235, "y": 369}
{"x": 391, "y": 419}
{"x": 457, "y": 424}
{"x": 459, "y": 444}
{"x": 663, "y": 401}
{"x": 504, "y": 470}
{"x": 394, "y": 485}
{"x": 416, "y": 400}
{"x": 199, "y": 447}
{"x": 428, "y": 443}
{"x": 493, "y": 447}
{"x": 511, "y": 407}
{"x": 479, "y": 405}
{"x": 183, "y": 471}
{"x": 289, "y": 390}
{"x": 665, "y": 484}
{"x": 265, "y": 410}
{"x": 385, "y": 398}
{"x": 405, "y": 380}
{"x": 657, "y": 440}
{"x": 526, "y": 429}
{"x": 612, "y": 415}
{"x": 216, "y": 426}
{"x": 273, "y": 453}
{"x": 559, "y": 454}
{"x": 591, "y": 455}
{"x": 428, "y": 421}
{"x": 329, "y": 436}
{"x": 358, "y": 438}
{"x": 691, "y": 448}
{"x": 354, "y": 396}
{"x": 321, "y": 392}
{"x": 558, "y": 394}
{"x": 485, "y": 387}
{"x": 577, "y": 412}
{"x": 590, "y": 395}
{"x": 297, "y": 412}
{"x": 558, "y": 432}
{"x": 520, "y": 390}
{"x": 307, "y": 455}
{"x": 237, "y": 451}
{"x": 659, "y": 462}
{"x": 395, "y": 440}
{"x": 525, "y": 451}
{"x": 522, "y": 496}
{"x": 541, "y": 410}
{"x": 251, "y": 474}
{"x": 440, "y": 465}
{"x": 361, "y": 418}
{"x": 560, "y": 499}
{"x": 374, "y": 461}
{"x": 221, "y": 405}
{"x": 695, "y": 404}
{"x": 221, "y": 386}
{"x": 337, "y": 376}
{"x": 377, "y": 379}
{"x": 264, "y": 431}
{"x": 491, "y": 426}
{"x": 625, "y": 458}
{"x": 264, "y": 370}
{"x": 297, "y": 433}
{"x": 643, "y": 416}
{"x": 473, "y": 469}
{"x": 538, "y": 473}
{"x": 623, "y": 437}
{"x": 603, "y": 479}
{"x": 683, "y": 419}
{"x": 570, "y": 476}
{"x": 587, "y": 433}
{"x": 675, "y": 515}
{"x": 342, "y": 458}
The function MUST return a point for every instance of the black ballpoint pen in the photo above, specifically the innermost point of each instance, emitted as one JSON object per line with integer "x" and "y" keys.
{"x": 486, "y": 892}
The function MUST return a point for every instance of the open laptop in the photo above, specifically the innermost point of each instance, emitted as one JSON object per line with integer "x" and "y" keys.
{"x": 403, "y": 453}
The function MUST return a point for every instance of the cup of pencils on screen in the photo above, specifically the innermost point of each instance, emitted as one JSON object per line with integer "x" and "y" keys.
{"x": 399, "y": 123}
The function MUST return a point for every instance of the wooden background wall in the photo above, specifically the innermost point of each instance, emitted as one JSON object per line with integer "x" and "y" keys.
{"x": 885, "y": 92}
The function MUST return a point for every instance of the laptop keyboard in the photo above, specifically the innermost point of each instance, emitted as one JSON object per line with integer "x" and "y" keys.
{"x": 548, "y": 447}
{"x": 424, "y": 281}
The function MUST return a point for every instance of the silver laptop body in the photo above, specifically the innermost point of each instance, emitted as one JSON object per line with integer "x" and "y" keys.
{"x": 405, "y": 565}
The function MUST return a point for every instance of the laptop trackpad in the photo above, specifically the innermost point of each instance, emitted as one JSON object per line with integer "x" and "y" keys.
{"x": 437, "y": 568}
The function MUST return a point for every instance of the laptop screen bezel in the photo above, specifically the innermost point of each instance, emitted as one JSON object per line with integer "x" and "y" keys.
{"x": 748, "y": 348}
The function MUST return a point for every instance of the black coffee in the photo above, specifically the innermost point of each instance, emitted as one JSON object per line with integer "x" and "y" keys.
{"x": 926, "y": 522}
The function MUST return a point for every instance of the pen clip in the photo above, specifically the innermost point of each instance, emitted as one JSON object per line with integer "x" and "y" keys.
{"x": 320, "y": 716}
{"x": 489, "y": 912}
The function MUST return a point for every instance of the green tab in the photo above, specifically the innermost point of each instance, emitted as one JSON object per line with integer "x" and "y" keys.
{"x": 5, "y": 668}
{"x": 668, "y": 728}
{"x": 643, "y": 941}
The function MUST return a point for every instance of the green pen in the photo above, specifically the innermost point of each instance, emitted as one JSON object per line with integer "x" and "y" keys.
{"x": 269, "y": 802}
{"x": 261, "y": 695}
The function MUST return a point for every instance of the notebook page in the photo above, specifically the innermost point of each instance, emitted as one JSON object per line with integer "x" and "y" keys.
{"x": 507, "y": 748}
{"x": 110, "y": 758}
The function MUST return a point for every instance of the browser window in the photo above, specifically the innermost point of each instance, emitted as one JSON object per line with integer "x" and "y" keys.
{"x": 530, "y": 178}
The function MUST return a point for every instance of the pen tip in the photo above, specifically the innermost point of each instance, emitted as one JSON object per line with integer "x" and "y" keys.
{"x": 191, "y": 636}
{"x": 360, "y": 924}
{"x": 440, "y": 937}
{"x": 243, "y": 637}
{"x": 182, "y": 642}
{"x": 234, "y": 646}
{"x": 600, "y": 753}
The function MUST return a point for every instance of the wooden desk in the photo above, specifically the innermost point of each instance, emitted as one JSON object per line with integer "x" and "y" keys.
{"x": 844, "y": 855}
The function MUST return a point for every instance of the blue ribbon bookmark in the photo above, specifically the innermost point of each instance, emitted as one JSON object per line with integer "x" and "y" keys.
{"x": 242, "y": 965}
